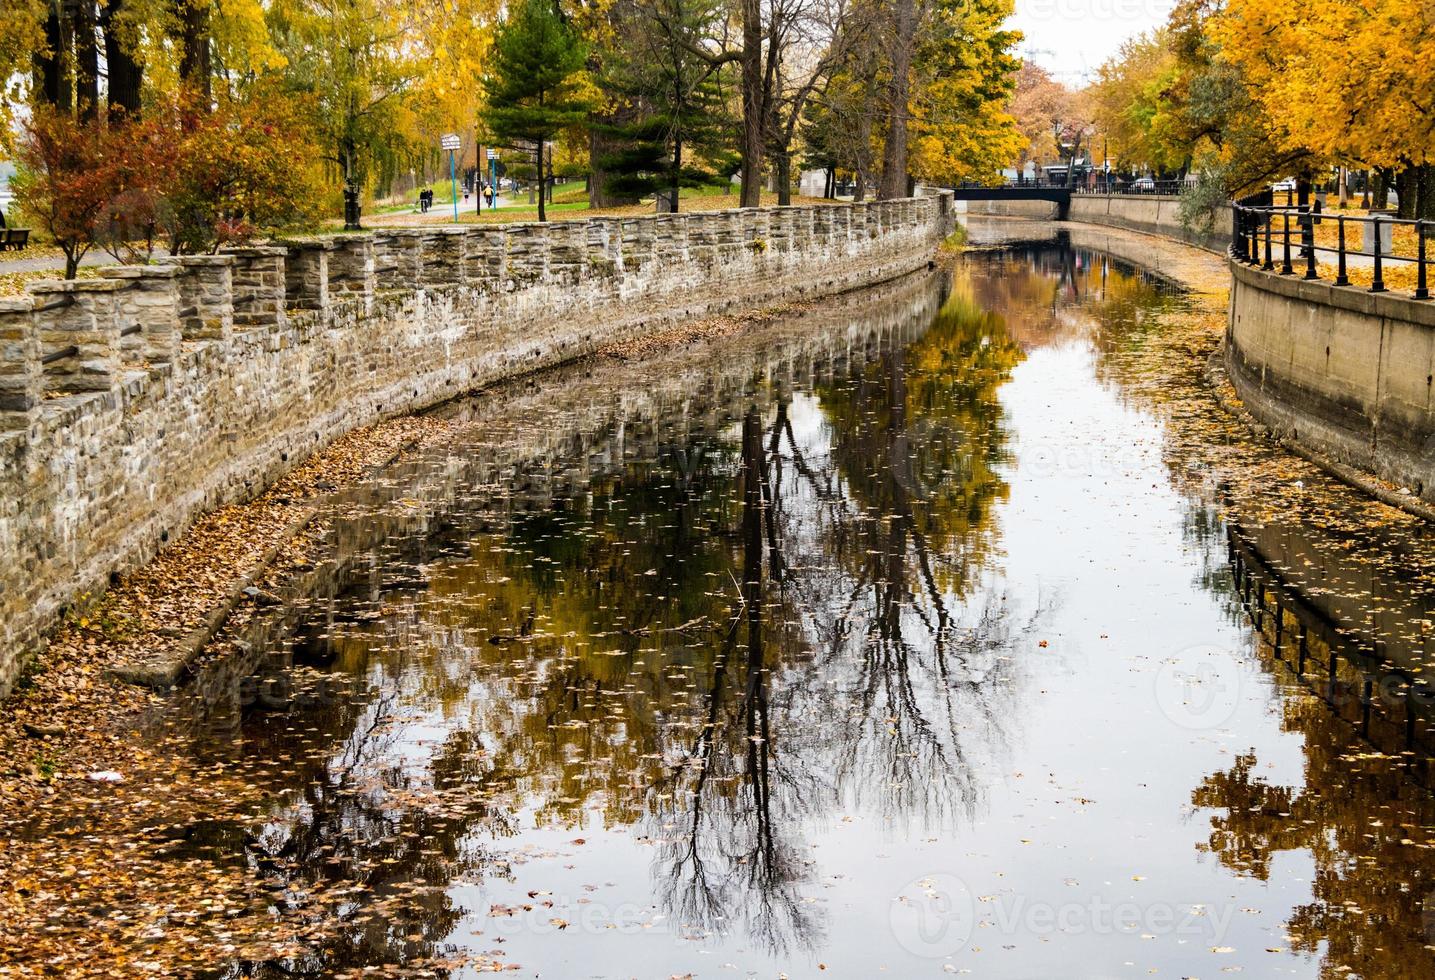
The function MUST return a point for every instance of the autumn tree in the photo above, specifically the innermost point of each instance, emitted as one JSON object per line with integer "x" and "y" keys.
{"x": 1185, "y": 98}
{"x": 1349, "y": 80}
{"x": 200, "y": 177}
{"x": 810, "y": 38}
{"x": 243, "y": 169}
{"x": 843, "y": 123}
{"x": 64, "y": 178}
{"x": 1132, "y": 109}
{"x": 964, "y": 78}
{"x": 532, "y": 81}
{"x": 348, "y": 57}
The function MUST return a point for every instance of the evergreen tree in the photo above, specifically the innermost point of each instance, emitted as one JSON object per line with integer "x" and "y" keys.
{"x": 532, "y": 83}
{"x": 678, "y": 123}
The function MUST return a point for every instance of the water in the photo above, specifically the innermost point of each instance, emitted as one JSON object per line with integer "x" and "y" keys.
{"x": 920, "y": 635}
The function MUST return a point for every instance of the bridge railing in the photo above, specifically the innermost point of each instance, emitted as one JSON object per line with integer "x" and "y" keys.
{"x": 1284, "y": 238}
{"x": 1103, "y": 184}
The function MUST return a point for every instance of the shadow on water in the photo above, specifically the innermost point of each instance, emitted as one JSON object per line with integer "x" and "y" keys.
{"x": 683, "y": 617}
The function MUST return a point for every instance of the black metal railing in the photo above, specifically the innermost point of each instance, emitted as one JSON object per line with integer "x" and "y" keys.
{"x": 1275, "y": 237}
{"x": 59, "y": 355}
{"x": 1101, "y": 184}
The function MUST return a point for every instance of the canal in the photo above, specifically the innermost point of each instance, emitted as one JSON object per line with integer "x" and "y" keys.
{"x": 950, "y": 628}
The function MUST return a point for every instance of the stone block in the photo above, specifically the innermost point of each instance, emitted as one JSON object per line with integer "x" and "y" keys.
{"x": 822, "y": 225}
{"x": 605, "y": 246}
{"x": 79, "y": 330}
{"x": 801, "y": 218}
{"x": 206, "y": 296}
{"x": 258, "y": 285}
{"x": 779, "y": 230}
{"x": 486, "y": 257}
{"x": 21, "y": 381}
{"x": 352, "y": 269}
{"x": 306, "y": 272}
{"x": 149, "y": 311}
{"x": 442, "y": 257}
{"x": 407, "y": 246}
{"x": 386, "y": 260}
{"x": 670, "y": 238}
{"x": 527, "y": 253}
{"x": 728, "y": 237}
{"x": 567, "y": 252}
{"x": 637, "y": 243}
{"x": 702, "y": 237}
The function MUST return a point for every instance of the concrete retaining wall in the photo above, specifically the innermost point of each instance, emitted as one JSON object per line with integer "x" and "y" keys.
{"x": 1342, "y": 371}
{"x": 1153, "y": 215}
{"x": 130, "y": 405}
{"x": 1134, "y": 212}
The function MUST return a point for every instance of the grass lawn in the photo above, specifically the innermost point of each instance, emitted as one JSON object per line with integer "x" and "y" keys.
{"x": 570, "y": 202}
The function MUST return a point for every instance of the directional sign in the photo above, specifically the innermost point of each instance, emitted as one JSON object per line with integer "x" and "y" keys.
{"x": 449, "y": 141}
{"x": 492, "y": 153}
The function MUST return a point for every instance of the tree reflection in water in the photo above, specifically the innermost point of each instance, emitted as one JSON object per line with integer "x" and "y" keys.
{"x": 852, "y": 674}
{"x": 725, "y": 621}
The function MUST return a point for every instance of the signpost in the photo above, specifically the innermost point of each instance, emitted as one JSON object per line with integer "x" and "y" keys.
{"x": 493, "y": 175}
{"x": 450, "y": 142}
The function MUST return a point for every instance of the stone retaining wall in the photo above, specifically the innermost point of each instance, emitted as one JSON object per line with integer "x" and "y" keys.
{"x": 131, "y": 404}
{"x": 1342, "y": 371}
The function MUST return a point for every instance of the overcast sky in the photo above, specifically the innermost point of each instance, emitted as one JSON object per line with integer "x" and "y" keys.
{"x": 1071, "y": 38}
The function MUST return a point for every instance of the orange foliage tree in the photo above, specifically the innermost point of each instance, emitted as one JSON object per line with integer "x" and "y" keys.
{"x": 199, "y": 179}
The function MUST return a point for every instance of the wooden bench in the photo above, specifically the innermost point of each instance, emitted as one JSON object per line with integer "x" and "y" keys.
{"x": 14, "y": 238}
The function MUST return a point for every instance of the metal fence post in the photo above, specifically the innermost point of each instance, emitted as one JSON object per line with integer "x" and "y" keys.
{"x": 1310, "y": 271}
{"x": 1377, "y": 285}
{"x": 1341, "y": 279}
{"x": 1270, "y": 220}
{"x": 1422, "y": 285}
{"x": 1286, "y": 268}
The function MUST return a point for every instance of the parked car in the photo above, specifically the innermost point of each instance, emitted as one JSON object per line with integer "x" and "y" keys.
{"x": 1143, "y": 185}
{"x": 1284, "y": 185}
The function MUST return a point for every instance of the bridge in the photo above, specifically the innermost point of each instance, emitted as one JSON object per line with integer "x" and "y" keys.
{"x": 1060, "y": 196}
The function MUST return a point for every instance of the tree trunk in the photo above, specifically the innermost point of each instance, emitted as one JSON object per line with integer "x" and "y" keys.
{"x": 1381, "y": 195}
{"x": 1417, "y": 192}
{"x": 87, "y": 61}
{"x": 677, "y": 170}
{"x": 754, "y": 114}
{"x": 538, "y": 179}
{"x": 52, "y": 66}
{"x": 194, "y": 63}
{"x": 1405, "y": 182}
{"x": 784, "y": 176}
{"x": 125, "y": 74}
{"x": 894, "y": 150}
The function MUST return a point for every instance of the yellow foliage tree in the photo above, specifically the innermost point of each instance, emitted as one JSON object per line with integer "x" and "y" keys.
{"x": 964, "y": 71}
{"x": 1353, "y": 80}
